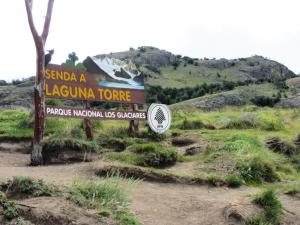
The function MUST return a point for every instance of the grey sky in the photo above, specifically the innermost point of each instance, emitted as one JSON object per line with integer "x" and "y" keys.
{"x": 197, "y": 28}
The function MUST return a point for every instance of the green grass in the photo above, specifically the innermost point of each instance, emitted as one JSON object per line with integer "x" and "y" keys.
{"x": 273, "y": 209}
{"x": 30, "y": 186}
{"x": 108, "y": 196}
{"x": 9, "y": 208}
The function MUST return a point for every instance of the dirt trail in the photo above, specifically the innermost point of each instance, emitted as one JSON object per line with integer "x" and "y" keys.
{"x": 153, "y": 203}
{"x": 171, "y": 204}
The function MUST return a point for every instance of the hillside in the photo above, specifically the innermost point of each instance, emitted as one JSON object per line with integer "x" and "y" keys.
{"x": 174, "y": 78}
{"x": 165, "y": 69}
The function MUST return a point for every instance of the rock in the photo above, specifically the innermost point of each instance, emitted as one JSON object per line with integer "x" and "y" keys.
{"x": 241, "y": 211}
{"x": 193, "y": 150}
{"x": 279, "y": 146}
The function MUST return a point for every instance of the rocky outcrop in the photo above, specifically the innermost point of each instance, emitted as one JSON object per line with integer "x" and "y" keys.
{"x": 145, "y": 55}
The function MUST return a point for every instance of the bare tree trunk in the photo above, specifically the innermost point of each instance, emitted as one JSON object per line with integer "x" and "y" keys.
{"x": 39, "y": 99}
{"x": 134, "y": 124}
{"x": 88, "y": 125}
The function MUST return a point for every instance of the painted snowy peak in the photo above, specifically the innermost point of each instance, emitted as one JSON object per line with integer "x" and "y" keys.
{"x": 115, "y": 73}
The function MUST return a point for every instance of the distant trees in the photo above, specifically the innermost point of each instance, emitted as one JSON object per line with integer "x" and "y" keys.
{"x": 265, "y": 101}
{"x": 174, "y": 95}
{"x": 71, "y": 62}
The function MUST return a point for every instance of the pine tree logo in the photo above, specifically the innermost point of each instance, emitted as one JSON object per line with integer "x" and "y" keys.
{"x": 160, "y": 116}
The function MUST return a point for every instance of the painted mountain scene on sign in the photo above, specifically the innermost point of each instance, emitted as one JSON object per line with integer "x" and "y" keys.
{"x": 115, "y": 73}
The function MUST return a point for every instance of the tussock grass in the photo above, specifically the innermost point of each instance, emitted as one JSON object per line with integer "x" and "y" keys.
{"x": 108, "y": 196}
{"x": 60, "y": 144}
{"x": 28, "y": 186}
{"x": 257, "y": 171}
{"x": 273, "y": 209}
{"x": 155, "y": 155}
{"x": 9, "y": 207}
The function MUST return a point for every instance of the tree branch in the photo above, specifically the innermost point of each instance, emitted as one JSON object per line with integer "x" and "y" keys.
{"x": 28, "y": 4}
{"x": 47, "y": 20}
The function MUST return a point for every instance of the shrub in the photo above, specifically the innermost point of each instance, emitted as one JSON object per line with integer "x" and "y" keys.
{"x": 257, "y": 170}
{"x": 194, "y": 124}
{"x": 153, "y": 136}
{"x": 269, "y": 123}
{"x": 272, "y": 206}
{"x": 243, "y": 122}
{"x": 156, "y": 155}
{"x": 29, "y": 186}
{"x": 108, "y": 196}
{"x": 58, "y": 144}
{"x": 264, "y": 101}
{"x": 234, "y": 181}
{"x": 118, "y": 144}
{"x": 9, "y": 208}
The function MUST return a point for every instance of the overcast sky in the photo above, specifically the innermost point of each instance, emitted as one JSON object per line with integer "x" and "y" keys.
{"x": 196, "y": 28}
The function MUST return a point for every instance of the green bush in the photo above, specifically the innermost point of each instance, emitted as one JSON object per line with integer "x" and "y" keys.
{"x": 29, "y": 186}
{"x": 108, "y": 197}
{"x": 192, "y": 124}
{"x": 9, "y": 208}
{"x": 257, "y": 170}
{"x": 269, "y": 123}
{"x": 118, "y": 144}
{"x": 58, "y": 144}
{"x": 273, "y": 209}
{"x": 156, "y": 155}
{"x": 243, "y": 122}
{"x": 195, "y": 124}
{"x": 234, "y": 181}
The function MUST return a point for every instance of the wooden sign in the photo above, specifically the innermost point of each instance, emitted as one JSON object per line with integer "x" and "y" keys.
{"x": 69, "y": 83}
{"x": 69, "y": 112}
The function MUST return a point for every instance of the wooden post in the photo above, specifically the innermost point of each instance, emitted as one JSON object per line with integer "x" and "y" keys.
{"x": 88, "y": 125}
{"x": 134, "y": 124}
{"x": 39, "y": 98}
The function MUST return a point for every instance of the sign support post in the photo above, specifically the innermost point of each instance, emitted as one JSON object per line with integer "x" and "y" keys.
{"x": 134, "y": 124}
{"x": 88, "y": 125}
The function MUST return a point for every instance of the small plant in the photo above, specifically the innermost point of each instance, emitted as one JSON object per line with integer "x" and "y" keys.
{"x": 9, "y": 208}
{"x": 234, "y": 181}
{"x": 257, "y": 170}
{"x": 156, "y": 155}
{"x": 108, "y": 197}
{"x": 273, "y": 209}
{"x": 195, "y": 124}
{"x": 29, "y": 186}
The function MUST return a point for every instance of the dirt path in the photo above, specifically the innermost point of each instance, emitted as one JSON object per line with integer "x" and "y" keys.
{"x": 171, "y": 204}
{"x": 153, "y": 203}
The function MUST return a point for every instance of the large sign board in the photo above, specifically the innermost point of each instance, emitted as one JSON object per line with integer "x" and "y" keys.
{"x": 69, "y": 83}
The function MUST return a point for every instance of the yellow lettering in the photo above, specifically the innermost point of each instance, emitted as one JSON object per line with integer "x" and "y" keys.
{"x": 100, "y": 90}
{"x": 47, "y": 91}
{"x": 116, "y": 95}
{"x": 55, "y": 90}
{"x": 128, "y": 96}
{"x": 82, "y": 78}
{"x": 91, "y": 94}
{"x": 107, "y": 94}
{"x": 47, "y": 74}
{"x": 64, "y": 91}
{"x": 73, "y": 77}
